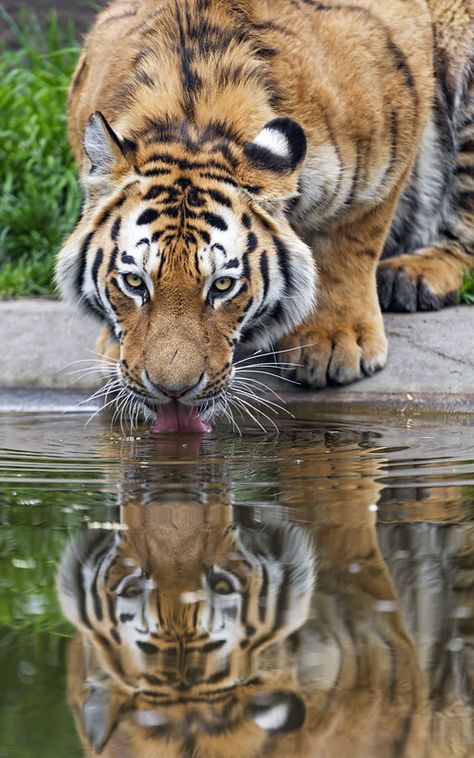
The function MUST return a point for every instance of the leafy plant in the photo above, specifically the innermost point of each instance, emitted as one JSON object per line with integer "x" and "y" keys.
{"x": 39, "y": 193}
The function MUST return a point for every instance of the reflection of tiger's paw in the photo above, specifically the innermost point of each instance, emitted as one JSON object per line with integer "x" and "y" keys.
{"x": 425, "y": 281}
{"x": 337, "y": 354}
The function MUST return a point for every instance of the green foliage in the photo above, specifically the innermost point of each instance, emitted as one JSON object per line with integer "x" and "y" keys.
{"x": 39, "y": 193}
{"x": 467, "y": 292}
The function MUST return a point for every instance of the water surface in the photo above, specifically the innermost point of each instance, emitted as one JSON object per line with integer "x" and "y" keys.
{"x": 309, "y": 593}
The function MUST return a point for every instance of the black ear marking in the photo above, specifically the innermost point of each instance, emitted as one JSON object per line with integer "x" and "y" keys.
{"x": 102, "y": 145}
{"x": 279, "y": 147}
{"x": 278, "y": 711}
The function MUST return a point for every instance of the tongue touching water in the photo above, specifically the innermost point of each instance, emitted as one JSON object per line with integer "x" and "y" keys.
{"x": 311, "y": 590}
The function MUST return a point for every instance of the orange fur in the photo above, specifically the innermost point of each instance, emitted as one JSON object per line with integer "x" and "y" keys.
{"x": 197, "y": 81}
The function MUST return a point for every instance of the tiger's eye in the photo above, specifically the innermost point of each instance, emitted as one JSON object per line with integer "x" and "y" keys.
{"x": 134, "y": 281}
{"x": 133, "y": 590}
{"x": 223, "y": 284}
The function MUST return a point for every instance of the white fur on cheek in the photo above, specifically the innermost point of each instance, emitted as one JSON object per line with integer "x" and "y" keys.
{"x": 273, "y": 140}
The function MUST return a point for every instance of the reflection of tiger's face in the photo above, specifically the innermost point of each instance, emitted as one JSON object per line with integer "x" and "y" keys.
{"x": 175, "y": 630}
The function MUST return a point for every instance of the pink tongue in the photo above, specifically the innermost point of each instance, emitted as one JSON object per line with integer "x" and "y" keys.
{"x": 175, "y": 417}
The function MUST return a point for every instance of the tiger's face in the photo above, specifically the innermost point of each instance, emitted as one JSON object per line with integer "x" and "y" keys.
{"x": 184, "y": 249}
{"x": 174, "y": 628}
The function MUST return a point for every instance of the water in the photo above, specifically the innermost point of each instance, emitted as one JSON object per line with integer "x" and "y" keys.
{"x": 307, "y": 594}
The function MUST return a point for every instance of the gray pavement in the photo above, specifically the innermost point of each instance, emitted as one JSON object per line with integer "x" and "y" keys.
{"x": 431, "y": 362}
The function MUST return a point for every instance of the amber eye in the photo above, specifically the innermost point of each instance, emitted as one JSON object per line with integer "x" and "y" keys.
{"x": 223, "y": 284}
{"x": 220, "y": 585}
{"x": 134, "y": 281}
{"x": 132, "y": 590}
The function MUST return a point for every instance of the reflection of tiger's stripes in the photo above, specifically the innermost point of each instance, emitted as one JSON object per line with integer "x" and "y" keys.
{"x": 195, "y": 649}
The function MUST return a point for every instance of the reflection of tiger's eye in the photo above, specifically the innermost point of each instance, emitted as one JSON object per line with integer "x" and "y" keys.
{"x": 133, "y": 590}
{"x": 223, "y": 284}
{"x": 221, "y": 586}
{"x": 134, "y": 281}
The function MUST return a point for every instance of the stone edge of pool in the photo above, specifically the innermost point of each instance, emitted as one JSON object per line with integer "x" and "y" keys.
{"x": 430, "y": 367}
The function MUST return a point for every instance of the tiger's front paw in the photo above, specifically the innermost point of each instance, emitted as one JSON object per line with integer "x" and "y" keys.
{"x": 339, "y": 353}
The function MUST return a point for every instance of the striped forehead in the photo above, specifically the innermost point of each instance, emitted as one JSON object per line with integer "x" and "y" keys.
{"x": 225, "y": 245}
{"x": 135, "y": 241}
{"x": 142, "y": 240}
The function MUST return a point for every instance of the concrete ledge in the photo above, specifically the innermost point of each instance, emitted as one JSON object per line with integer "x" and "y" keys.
{"x": 430, "y": 367}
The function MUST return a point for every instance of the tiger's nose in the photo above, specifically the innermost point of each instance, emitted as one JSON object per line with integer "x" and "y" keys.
{"x": 173, "y": 393}
{"x": 174, "y": 390}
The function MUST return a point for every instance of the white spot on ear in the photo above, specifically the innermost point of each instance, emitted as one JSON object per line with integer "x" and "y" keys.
{"x": 274, "y": 719}
{"x": 149, "y": 718}
{"x": 274, "y": 141}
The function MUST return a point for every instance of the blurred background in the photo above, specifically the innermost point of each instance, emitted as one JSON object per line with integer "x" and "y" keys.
{"x": 39, "y": 195}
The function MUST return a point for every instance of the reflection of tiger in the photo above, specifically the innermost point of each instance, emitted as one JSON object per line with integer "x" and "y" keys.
{"x": 240, "y": 140}
{"x": 173, "y": 622}
{"x": 337, "y": 674}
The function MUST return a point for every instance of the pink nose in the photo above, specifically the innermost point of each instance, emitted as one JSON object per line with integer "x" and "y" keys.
{"x": 173, "y": 393}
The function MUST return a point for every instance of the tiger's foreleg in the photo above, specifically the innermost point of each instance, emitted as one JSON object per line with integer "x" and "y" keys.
{"x": 344, "y": 340}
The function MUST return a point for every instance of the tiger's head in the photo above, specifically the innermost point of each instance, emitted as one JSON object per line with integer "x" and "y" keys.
{"x": 184, "y": 249}
{"x": 173, "y": 630}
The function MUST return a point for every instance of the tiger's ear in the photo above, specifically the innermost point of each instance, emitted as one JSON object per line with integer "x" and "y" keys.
{"x": 273, "y": 160}
{"x": 107, "y": 153}
{"x": 278, "y": 711}
{"x": 100, "y": 715}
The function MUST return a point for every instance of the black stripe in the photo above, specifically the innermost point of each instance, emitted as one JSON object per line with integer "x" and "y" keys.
{"x": 103, "y": 218}
{"x": 147, "y": 647}
{"x": 157, "y": 189}
{"x": 157, "y": 172}
{"x": 468, "y": 146}
{"x": 263, "y": 265}
{"x": 466, "y": 201}
{"x": 262, "y": 598}
{"x": 282, "y": 254}
{"x": 211, "y": 646}
{"x": 113, "y": 260}
{"x": 183, "y": 163}
{"x": 219, "y": 197}
{"x": 81, "y": 597}
{"x": 244, "y": 606}
{"x": 116, "y": 228}
{"x": 99, "y": 257}
{"x": 147, "y": 217}
{"x": 464, "y": 170}
{"x": 205, "y": 236}
{"x": 214, "y": 220}
{"x": 251, "y": 242}
{"x": 233, "y": 263}
{"x": 355, "y": 175}
{"x": 218, "y": 177}
{"x": 82, "y": 263}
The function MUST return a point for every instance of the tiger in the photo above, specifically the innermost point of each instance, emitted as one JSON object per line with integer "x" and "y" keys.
{"x": 350, "y": 625}
{"x": 267, "y": 175}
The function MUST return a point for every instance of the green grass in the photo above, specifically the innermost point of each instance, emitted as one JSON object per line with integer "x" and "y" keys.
{"x": 39, "y": 194}
{"x": 467, "y": 292}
